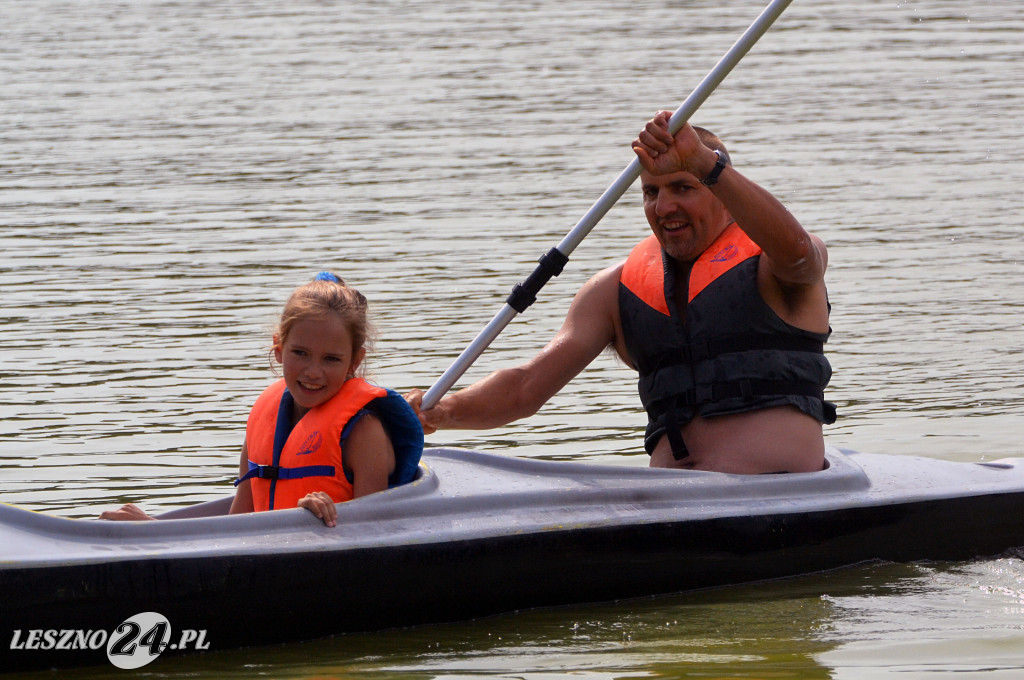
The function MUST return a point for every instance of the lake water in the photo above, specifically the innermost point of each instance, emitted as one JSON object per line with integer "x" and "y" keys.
{"x": 170, "y": 170}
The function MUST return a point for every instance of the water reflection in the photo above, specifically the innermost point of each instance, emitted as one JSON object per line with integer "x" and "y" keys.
{"x": 867, "y": 621}
{"x": 951, "y": 619}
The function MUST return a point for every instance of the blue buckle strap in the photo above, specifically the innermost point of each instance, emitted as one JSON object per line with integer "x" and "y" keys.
{"x": 277, "y": 472}
{"x": 305, "y": 471}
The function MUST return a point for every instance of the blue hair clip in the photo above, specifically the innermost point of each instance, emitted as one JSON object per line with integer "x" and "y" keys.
{"x": 326, "y": 276}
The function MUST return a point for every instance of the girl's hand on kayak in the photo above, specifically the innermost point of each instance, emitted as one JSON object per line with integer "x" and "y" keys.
{"x": 431, "y": 419}
{"x": 129, "y": 513}
{"x": 320, "y": 504}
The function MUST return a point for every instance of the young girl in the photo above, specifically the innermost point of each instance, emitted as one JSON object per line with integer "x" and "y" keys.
{"x": 321, "y": 435}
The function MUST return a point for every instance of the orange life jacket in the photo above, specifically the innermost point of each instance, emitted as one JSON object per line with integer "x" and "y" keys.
{"x": 644, "y": 273}
{"x": 309, "y": 459}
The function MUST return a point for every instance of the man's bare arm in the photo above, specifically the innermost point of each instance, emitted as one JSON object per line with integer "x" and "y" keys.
{"x": 519, "y": 392}
{"x": 795, "y": 258}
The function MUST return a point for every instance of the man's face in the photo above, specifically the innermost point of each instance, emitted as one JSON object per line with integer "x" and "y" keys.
{"x": 683, "y": 213}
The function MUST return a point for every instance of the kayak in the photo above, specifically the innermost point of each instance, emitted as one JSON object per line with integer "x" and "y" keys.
{"x": 476, "y": 534}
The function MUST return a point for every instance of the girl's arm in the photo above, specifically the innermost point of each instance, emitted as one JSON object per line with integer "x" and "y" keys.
{"x": 243, "y": 493}
{"x": 590, "y": 326}
{"x": 369, "y": 456}
{"x": 241, "y": 503}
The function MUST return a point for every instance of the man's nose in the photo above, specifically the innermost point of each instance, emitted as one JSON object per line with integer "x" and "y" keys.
{"x": 666, "y": 204}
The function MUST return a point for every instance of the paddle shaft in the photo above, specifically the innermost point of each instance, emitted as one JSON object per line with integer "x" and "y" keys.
{"x": 524, "y": 294}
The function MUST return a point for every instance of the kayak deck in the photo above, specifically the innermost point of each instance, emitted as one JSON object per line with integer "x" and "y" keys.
{"x": 468, "y": 495}
{"x": 479, "y": 534}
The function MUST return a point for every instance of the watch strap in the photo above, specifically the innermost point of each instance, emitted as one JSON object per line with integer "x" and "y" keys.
{"x": 712, "y": 177}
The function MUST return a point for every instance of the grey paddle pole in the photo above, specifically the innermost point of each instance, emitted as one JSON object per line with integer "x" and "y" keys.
{"x": 551, "y": 263}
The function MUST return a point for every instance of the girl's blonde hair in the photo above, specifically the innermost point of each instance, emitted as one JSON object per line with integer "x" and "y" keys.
{"x": 325, "y": 294}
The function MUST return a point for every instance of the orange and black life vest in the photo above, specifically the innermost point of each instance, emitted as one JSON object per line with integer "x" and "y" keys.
{"x": 726, "y": 352}
{"x": 286, "y": 463}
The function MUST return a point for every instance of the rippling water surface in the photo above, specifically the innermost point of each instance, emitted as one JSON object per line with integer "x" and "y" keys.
{"x": 169, "y": 171}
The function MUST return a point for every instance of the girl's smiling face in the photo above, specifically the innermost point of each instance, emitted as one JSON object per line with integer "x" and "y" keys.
{"x": 317, "y": 358}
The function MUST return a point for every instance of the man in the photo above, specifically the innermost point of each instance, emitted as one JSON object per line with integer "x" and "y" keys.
{"x": 723, "y": 312}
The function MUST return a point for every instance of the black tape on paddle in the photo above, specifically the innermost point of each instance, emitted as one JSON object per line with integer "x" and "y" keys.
{"x": 525, "y": 294}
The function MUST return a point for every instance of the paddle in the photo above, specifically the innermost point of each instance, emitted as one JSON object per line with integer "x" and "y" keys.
{"x": 551, "y": 263}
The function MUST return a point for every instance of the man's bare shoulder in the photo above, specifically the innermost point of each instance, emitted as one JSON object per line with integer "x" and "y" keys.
{"x": 598, "y": 298}
{"x": 604, "y": 284}
{"x": 593, "y": 317}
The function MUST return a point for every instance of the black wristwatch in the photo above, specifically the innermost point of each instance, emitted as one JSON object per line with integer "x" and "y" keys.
{"x": 712, "y": 177}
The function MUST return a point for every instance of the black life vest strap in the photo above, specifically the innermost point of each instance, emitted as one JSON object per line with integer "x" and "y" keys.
{"x": 747, "y": 389}
{"x": 709, "y": 349}
{"x": 675, "y": 437}
{"x": 703, "y": 394}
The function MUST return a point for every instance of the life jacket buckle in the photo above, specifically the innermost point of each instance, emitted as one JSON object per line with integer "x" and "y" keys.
{"x": 268, "y": 472}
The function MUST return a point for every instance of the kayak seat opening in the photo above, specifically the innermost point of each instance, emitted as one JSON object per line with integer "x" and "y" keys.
{"x": 824, "y": 467}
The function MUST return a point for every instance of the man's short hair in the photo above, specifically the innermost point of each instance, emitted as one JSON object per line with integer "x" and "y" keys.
{"x": 711, "y": 140}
